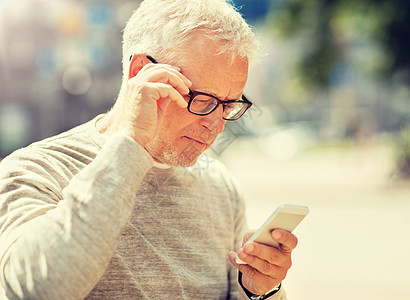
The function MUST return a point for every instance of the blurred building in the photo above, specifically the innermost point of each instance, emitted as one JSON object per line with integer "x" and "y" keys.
{"x": 60, "y": 65}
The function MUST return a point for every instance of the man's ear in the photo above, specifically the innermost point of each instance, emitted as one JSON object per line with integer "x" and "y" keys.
{"x": 138, "y": 61}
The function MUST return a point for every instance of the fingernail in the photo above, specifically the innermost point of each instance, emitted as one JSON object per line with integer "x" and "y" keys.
{"x": 276, "y": 235}
{"x": 248, "y": 247}
{"x": 242, "y": 253}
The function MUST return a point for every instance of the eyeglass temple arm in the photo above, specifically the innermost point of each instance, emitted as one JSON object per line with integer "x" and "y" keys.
{"x": 149, "y": 57}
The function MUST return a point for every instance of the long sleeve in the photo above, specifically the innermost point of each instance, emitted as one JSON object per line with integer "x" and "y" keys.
{"x": 57, "y": 245}
{"x": 82, "y": 216}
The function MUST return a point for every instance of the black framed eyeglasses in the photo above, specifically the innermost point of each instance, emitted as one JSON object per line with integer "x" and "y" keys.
{"x": 203, "y": 104}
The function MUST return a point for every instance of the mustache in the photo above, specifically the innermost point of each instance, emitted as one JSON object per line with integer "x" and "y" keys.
{"x": 205, "y": 136}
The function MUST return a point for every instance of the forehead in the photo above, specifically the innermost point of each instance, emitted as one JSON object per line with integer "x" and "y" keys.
{"x": 212, "y": 72}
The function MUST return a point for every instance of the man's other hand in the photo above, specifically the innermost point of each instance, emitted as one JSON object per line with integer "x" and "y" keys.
{"x": 266, "y": 266}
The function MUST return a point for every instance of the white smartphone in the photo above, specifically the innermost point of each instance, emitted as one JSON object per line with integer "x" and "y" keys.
{"x": 286, "y": 216}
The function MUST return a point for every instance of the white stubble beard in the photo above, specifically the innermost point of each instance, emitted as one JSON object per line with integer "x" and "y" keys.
{"x": 163, "y": 151}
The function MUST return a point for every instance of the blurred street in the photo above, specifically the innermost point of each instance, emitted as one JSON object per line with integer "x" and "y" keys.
{"x": 354, "y": 244}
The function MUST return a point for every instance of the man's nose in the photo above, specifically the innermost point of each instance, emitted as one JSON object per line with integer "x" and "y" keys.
{"x": 214, "y": 121}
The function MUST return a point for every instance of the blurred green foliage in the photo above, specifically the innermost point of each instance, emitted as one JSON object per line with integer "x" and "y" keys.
{"x": 331, "y": 29}
{"x": 347, "y": 61}
{"x": 403, "y": 155}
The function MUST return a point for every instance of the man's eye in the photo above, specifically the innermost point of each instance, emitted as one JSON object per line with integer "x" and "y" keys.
{"x": 202, "y": 101}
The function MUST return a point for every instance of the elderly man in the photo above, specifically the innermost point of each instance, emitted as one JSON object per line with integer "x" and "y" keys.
{"x": 108, "y": 209}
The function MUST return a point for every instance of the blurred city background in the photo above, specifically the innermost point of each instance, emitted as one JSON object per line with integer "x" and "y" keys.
{"x": 330, "y": 127}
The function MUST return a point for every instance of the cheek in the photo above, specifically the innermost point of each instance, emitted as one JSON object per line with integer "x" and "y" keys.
{"x": 175, "y": 113}
{"x": 178, "y": 121}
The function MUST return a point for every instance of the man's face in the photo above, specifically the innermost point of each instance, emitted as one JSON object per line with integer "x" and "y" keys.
{"x": 183, "y": 136}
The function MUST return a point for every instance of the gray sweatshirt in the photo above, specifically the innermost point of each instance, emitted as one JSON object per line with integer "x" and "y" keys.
{"x": 88, "y": 217}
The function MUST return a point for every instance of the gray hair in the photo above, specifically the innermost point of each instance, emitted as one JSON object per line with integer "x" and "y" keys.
{"x": 161, "y": 28}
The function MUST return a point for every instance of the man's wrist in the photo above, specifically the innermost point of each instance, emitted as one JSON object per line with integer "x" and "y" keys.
{"x": 268, "y": 294}
{"x": 258, "y": 297}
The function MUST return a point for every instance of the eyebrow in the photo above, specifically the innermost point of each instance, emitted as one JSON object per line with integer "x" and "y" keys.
{"x": 209, "y": 92}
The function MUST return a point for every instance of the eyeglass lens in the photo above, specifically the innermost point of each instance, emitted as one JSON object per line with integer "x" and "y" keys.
{"x": 203, "y": 105}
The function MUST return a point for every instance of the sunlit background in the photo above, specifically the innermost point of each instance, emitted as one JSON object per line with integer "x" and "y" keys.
{"x": 330, "y": 127}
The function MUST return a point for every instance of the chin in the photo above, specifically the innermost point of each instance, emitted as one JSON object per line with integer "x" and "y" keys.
{"x": 186, "y": 164}
{"x": 175, "y": 156}
{"x": 181, "y": 159}
{"x": 184, "y": 161}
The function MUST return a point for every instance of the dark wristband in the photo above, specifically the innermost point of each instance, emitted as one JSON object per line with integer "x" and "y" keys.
{"x": 253, "y": 296}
